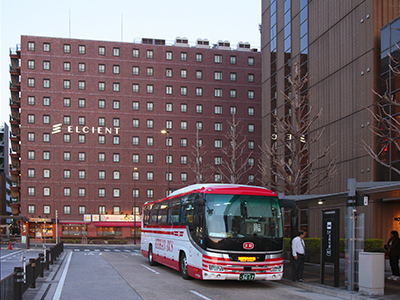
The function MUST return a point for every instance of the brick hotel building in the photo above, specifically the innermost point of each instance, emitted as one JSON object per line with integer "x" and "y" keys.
{"x": 86, "y": 121}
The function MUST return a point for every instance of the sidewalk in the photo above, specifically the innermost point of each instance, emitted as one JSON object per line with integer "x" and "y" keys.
{"x": 312, "y": 279}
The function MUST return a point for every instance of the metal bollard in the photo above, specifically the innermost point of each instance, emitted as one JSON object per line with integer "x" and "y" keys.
{"x": 33, "y": 264}
{"x": 18, "y": 281}
{"x": 47, "y": 260}
{"x": 41, "y": 259}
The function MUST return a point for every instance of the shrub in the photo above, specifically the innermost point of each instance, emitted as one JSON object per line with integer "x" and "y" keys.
{"x": 313, "y": 245}
{"x": 286, "y": 244}
{"x": 373, "y": 245}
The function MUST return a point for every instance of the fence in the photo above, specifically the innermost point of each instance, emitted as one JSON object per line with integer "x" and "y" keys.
{"x": 23, "y": 278}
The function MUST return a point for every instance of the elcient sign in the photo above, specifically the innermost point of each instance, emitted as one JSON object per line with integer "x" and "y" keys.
{"x": 57, "y": 128}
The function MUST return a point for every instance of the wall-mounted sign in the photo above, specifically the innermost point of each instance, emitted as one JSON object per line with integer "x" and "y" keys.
{"x": 95, "y": 218}
{"x": 120, "y": 218}
{"x": 87, "y": 218}
{"x": 57, "y": 128}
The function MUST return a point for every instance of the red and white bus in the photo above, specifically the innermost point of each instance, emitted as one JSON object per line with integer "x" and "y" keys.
{"x": 216, "y": 231}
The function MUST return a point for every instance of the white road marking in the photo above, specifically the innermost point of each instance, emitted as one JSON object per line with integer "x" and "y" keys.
{"x": 11, "y": 254}
{"x": 124, "y": 256}
{"x": 60, "y": 285}
{"x": 150, "y": 269}
{"x": 77, "y": 250}
{"x": 117, "y": 250}
{"x": 127, "y": 250}
{"x": 86, "y": 250}
{"x": 100, "y": 253}
{"x": 200, "y": 295}
{"x": 107, "y": 250}
{"x": 97, "y": 250}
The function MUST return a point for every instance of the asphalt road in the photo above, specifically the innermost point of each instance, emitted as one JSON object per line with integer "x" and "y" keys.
{"x": 13, "y": 258}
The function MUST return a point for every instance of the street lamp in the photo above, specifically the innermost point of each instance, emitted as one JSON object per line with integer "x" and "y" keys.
{"x": 134, "y": 207}
{"x": 167, "y": 132}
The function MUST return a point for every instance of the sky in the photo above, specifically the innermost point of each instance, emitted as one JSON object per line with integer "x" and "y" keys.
{"x": 124, "y": 20}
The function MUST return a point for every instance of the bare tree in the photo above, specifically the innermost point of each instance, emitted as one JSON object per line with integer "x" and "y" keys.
{"x": 235, "y": 163}
{"x": 286, "y": 163}
{"x": 196, "y": 162}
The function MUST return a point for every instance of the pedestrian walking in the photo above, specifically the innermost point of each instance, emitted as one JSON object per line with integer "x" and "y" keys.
{"x": 298, "y": 256}
{"x": 393, "y": 250}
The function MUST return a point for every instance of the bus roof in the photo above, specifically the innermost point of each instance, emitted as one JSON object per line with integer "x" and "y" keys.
{"x": 218, "y": 188}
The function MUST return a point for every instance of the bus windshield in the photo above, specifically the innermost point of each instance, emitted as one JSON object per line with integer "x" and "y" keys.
{"x": 240, "y": 216}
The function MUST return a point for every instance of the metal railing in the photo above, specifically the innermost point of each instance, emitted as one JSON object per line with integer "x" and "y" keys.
{"x": 23, "y": 278}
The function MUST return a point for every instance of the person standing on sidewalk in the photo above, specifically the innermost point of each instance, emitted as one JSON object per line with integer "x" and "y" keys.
{"x": 298, "y": 256}
{"x": 393, "y": 249}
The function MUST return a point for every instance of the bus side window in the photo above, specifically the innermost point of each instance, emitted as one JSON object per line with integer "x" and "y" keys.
{"x": 154, "y": 216}
{"x": 175, "y": 214}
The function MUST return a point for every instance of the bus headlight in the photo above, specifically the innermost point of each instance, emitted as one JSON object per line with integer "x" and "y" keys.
{"x": 277, "y": 269}
{"x": 215, "y": 268}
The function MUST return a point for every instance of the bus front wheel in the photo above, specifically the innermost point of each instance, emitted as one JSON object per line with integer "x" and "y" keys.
{"x": 151, "y": 261}
{"x": 183, "y": 266}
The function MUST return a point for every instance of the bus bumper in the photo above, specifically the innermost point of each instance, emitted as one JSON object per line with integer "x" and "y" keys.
{"x": 223, "y": 276}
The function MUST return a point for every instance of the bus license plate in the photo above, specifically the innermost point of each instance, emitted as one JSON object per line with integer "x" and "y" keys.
{"x": 247, "y": 276}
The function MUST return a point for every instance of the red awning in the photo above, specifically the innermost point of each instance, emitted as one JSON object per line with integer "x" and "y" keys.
{"x": 72, "y": 222}
{"x": 117, "y": 224}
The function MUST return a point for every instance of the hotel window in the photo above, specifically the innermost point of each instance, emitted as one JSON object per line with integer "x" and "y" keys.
{"x": 46, "y": 83}
{"x": 101, "y": 121}
{"x": 150, "y": 89}
{"x": 135, "y": 53}
{"x": 102, "y": 192}
{"x": 168, "y": 90}
{"x": 217, "y": 160}
{"x": 81, "y": 67}
{"x": 150, "y": 123}
{"x": 168, "y": 124}
{"x": 31, "y": 100}
{"x": 46, "y": 101}
{"x": 81, "y": 85}
{"x": 67, "y": 84}
{"x": 31, "y": 154}
{"x": 46, "y": 137}
{"x": 102, "y": 103}
{"x": 102, "y": 210}
{"x": 116, "y": 157}
{"x": 168, "y": 55}
{"x": 183, "y": 90}
{"x": 233, "y": 110}
{"x": 217, "y": 177}
{"x": 218, "y": 109}
{"x": 183, "y": 125}
{"x": 102, "y": 86}
{"x": 233, "y": 76}
{"x": 250, "y": 178}
{"x": 135, "y": 175}
{"x": 250, "y": 61}
{"x": 81, "y": 49}
{"x": 183, "y": 56}
{"x": 135, "y": 70}
{"x": 81, "y": 192}
{"x": 135, "y": 88}
{"x": 149, "y": 71}
{"x": 217, "y": 75}
{"x": 218, "y": 126}
{"x": 150, "y": 106}
{"x": 184, "y": 177}
{"x": 250, "y": 94}
{"x": 168, "y": 159}
{"x": 67, "y": 209}
{"x": 168, "y": 142}
{"x": 67, "y": 48}
{"x": 102, "y": 139}
{"x": 199, "y": 108}
{"x": 116, "y": 140}
{"x": 31, "y": 209}
{"x": 232, "y": 93}
{"x": 251, "y": 128}
{"x": 31, "y": 119}
{"x": 67, "y": 102}
{"x": 116, "y": 69}
{"x": 168, "y": 72}
{"x": 183, "y": 107}
{"x": 116, "y": 175}
{"x": 46, "y": 65}
{"x": 81, "y": 174}
{"x": 102, "y": 68}
{"x": 116, "y": 104}
{"x": 150, "y": 141}
{"x": 46, "y": 173}
{"x": 46, "y": 191}
{"x": 116, "y": 86}
{"x": 199, "y": 57}
{"x": 218, "y": 59}
{"x": 31, "y": 82}
{"x": 81, "y": 156}
{"x": 81, "y": 121}
{"x": 31, "y": 136}
{"x": 183, "y": 159}
{"x": 200, "y": 144}
{"x": 199, "y": 74}
{"x": 46, "y": 47}
{"x": 183, "y": 73}
{"x": 81, "y": 210}
{"x": 150, "y": 158}
{"x": 135, "y": 123}
{"x": 168, "y": 106}
{"x": 81, "y": 103}
{"x": 199, "y": 125}
{"x": 31, "y": 46}
{"x": 250, "y": 145}
{"x": 46, "y": 209}
{"x": 150, "y": 176}
{"x": 46, "y": 155}
{"x": 218, "y": 93}
{"x": 135, "y": 140}
{"x": 199, "y": 91}
{"x": 31, "y": 191}
{"x": 116, "y": 51}
{"x": 102, "y": 50}
{"x": 168, "y": 176}
{"x": 233, "y": 60}
{"x": 116, "y": 122}
{"x": 135, "y": 158}
{"x": 218, "y": 143}
{"x": 150, "y": 193}
{"x": 116, "y": 210}
{"x": 101, "y": 156}
{"x": 67, "y": 156}
{"x": 67, "y": 174}
{"x": 251, "y": 161}
{"x": 183, "y": 142}
{"x": 102, "y": 175}
{"x": 150, "y": 54}
{"x": 250, "y": 77}
{"x": 31, "y": 173}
